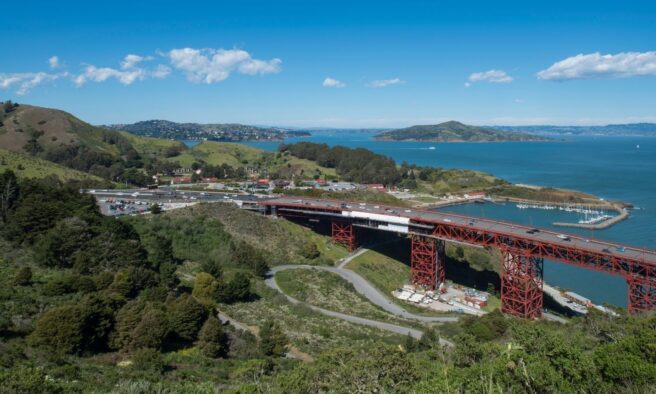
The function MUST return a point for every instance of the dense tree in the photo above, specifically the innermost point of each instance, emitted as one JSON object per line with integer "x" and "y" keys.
{"x": 358, "y": 165}
{"x": 60, "y": 330}
{"x": 273, "y": 341}
{"x": 186, "y": 316}
{"x": 140, "y": 324}
{"x": 58, "y": 246}
{"x": 212, "y": 341}
{"x": 9, "y": 193}
{"x": 151, "y": 330}
{"x": 237, "y": 289}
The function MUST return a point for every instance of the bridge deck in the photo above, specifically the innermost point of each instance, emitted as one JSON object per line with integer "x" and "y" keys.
{"x": 419, "y": 216}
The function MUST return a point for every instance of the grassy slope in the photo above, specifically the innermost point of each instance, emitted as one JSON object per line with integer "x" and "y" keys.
{"x": 309, "y": 331}
{"x": 58, "y": 127}
{"x": 328, "y": 290}
{"x": 387, "y": 272}
{"x": 238, "y": 155}
{"x": 279, "y": 239}
{"x": 26, "y": 166}
{"x": 151, "y": 147}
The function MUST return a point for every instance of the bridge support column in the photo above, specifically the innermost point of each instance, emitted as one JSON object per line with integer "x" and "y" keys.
{"x": 642, "y": 294}
{"x": 521, "y": 283}
{"x": 343, "y": 234}
{"x": 427, "y": 262}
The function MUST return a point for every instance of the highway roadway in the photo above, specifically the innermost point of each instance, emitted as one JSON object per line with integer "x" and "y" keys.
{"x": 479, "y": 224}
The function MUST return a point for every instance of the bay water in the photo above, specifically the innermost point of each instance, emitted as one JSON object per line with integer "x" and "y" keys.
{"x": 613, "y": 168}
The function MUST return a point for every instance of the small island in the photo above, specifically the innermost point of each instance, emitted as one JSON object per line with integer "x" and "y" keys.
{"x": 453, "y": 131}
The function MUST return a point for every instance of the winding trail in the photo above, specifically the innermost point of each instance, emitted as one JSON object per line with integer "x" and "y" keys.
{"x": 368, "y": 291}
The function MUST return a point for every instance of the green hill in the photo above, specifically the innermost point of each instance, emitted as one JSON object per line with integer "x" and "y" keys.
{"x": 25, "y": 166}
{"x": 51, "y": 128}
{"x": 453, "y": 131}
{"x": 51, "y": 135}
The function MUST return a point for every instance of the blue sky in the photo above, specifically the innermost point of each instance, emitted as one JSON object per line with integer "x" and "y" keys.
{"x": 336, "y": 64}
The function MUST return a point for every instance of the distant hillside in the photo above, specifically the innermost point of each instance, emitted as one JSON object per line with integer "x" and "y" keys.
{"x": 453, "y": 131}
{"x": 231, "y": 132}
{"x": 47, "y": 141}
{"x": 631, "y": 129}
{"x": 47, "y": 128}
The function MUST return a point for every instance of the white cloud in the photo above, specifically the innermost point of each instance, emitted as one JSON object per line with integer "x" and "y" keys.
{"x": 161, "y": 71}
{"x": 216, "y": 65}
{"x": 101, "y": 74}
{"x": 53, "y": 62}
{"x": 596, "y": 65}
{"x": 200, "y": 65}
{"x": 127, "y": 74}
{"x": 132, "y": 60}
{"x": 332, "y": 83}
{"x": 492, "y": 76}
{"x": 26, "y": 81}
{"x": 381, "y": 83}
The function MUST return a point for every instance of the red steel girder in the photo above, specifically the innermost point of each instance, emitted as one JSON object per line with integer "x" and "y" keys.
{"x": 343, "y": 234}
{"x": 521, "y": 283}
{"x": 427, "y": 262}
{"x": 642, "y": 294}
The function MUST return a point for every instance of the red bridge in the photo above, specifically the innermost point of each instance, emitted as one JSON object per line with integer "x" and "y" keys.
{"x": 523, "y": 249}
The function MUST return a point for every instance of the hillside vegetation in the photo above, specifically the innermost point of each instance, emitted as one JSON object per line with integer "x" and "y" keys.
{"x": 25, "y": 166}
{"x": 98, "y": 304}
{"x": 453, "y": 131}
{"x": 232, "y": 132}
{"x": 58, "y": 137}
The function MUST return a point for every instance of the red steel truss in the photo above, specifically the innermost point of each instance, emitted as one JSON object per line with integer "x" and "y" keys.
{"x": 640, "y": 276}
{"x": 639, "y": 272}
{"x": 342, "y": 233}
{"x": 427, "y": 262}
{"x": 521, "y": 283}
{"x": 642, "y": 294}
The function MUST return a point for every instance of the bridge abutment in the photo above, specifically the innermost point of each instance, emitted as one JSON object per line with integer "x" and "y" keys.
{"x": 427, "y": 258}
{"x": 521, "y": 283}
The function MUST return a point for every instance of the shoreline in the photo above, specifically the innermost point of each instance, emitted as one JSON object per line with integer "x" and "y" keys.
{"x": 619, "y": 207}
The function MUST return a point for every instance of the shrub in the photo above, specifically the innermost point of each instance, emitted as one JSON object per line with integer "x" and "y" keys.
{"x": 273, "y": 341}
{"x": 148, "y": 360}
{"x": 205, "y": 286}
{"x": 310, "y": 251}
{"x": 238, "y": 289}
{"x": 23, "y": 277}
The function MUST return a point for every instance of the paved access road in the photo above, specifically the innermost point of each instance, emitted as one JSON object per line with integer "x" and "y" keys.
{"x": 367, "y": 290}
{"x": 371, "y": 293}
